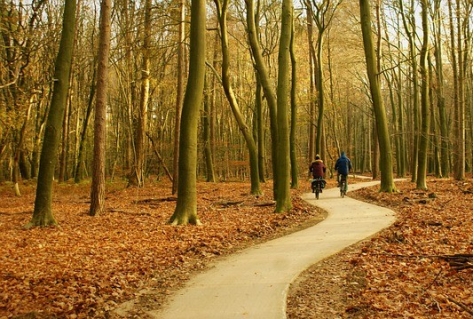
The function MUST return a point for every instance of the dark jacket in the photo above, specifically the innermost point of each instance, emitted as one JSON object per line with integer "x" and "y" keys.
{"x": 317, "y": 168}
{"x": 343, "y": 164}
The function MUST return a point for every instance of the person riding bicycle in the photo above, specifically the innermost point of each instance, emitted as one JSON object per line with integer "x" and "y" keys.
{"x": 343, "y": 167}
{"x": 318, "y": 169}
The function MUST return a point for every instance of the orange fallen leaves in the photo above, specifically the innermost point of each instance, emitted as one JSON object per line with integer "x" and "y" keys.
{"x": 404, "y": 266}
{"x": 87, "y": 265}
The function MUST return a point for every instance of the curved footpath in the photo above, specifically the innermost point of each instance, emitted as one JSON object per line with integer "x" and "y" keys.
{"x": 254, "y": 282}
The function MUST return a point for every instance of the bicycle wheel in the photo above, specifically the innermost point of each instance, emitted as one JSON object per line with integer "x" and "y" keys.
{"x": 343, "y": 188}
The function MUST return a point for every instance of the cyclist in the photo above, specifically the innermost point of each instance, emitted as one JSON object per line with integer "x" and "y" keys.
{"x": 318, "y": 169}
{"x": 343, "y": 167}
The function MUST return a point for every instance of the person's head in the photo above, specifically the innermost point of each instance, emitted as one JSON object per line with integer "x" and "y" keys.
{"x": 343, "y": 154}
{"x": 317, "y": 157}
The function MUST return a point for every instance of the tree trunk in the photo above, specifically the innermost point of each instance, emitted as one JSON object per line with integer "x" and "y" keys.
{"x": 100, "y": 122}
{"x": 439, "y": 87}
{"x": 425, "y": 103}
{"x": 283, "y": 200}
{"x": 386, "y": 183}
{"x": 186, "y": 206}
{"x": 179, "y": 94}
{"x": 79, "y": 171}
{"x": 312, "y": 100}
{"x": 268, "y": 91}
{"x": 43, "y": 214}
{"x": 260, "y": 131}
{"x": 136, "y": 177}
{"x": 409, "y": 25}
{"x": 229, "y": 92}
{"x": 206, "y": 126}
{"x": 294, "y": 111}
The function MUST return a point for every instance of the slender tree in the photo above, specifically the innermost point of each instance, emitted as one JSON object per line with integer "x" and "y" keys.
{"x": 43, "y": 214}
{"x": 386, "y": 184}
{"x": 440, "y": 91}
{"x": 283, "y": 200}
{"x": 186, "y": 206}
{"x": 425, "y": 103}
{"x": 179, "y": 92}
{"x": 136, "y": 177}
{"x": 255, "y": 188}
{"x": 294, "y": 110}
{"x": 100, "y": 121}
{"x": 264, "y": 79}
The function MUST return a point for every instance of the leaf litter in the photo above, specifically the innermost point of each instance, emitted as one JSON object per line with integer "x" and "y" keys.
{"x": 89, "y": 267}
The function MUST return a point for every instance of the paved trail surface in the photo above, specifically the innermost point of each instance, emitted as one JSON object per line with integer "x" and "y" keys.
{"x": 254, "y": 283}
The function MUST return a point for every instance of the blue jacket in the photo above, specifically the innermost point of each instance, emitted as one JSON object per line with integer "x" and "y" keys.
{"x": 343, "y": 164}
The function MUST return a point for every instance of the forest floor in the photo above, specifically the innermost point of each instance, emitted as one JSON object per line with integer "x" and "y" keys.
{"x": 87, "y": 267}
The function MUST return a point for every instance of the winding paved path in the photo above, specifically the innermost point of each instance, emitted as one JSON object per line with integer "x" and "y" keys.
{"x": 254, "y": 283}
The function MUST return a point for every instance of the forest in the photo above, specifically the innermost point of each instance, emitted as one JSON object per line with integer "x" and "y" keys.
{"x": 101, "y": 99}
{"x": 423, "y": 68}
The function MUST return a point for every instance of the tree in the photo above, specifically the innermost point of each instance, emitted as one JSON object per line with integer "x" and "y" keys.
{"x": 229, "y": 92}
{"x": 136, "y": 177}
{"x": 294, "y": 110}
{"x": 100, "y": 121}
{"x": 323, "y": 13}
{"x": 42, "y": 214}
{"x": 440, "y": 91}
{"x": 186, "y": 206}
{"x": 283, "y": 200}
{"x": 179, "y": 93}
{"x": 386, "y": 184}
{"x": 267, "y": 88}
{"x": 425, "y": 103}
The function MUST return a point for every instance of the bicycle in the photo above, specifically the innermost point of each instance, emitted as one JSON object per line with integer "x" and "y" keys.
{"x": 317, "y": 186}
{"x": 343, "y": 185}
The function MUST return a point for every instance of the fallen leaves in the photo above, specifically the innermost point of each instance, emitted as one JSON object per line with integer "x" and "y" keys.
{"x": 86, "y": 266}
{"x": 407, "y": 267}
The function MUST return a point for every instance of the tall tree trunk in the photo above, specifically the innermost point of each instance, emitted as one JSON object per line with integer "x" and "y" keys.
{"x": 283, "y": 200}
{"x": 43, "y": 214}
{"x": 100, "y": 122}
{"x": 441, "y": 101}
{"x": 312, "y": 100}
{"x": 206, "y": 126}
{"x": 294, "y": 111}
{"x": 260, "y": 131}
{"x": 268, "y": 91}
{"x": 79, "y": 171}
{"x": 186, "y": 206}
{"x": 179, "y": 94}
{"x": 409, "y": 25}
{"x": 136, "y": 177}
{"x": 425, "y": 103}
{"x": 229, "y": 92}
{"x": 386, "y": 184}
